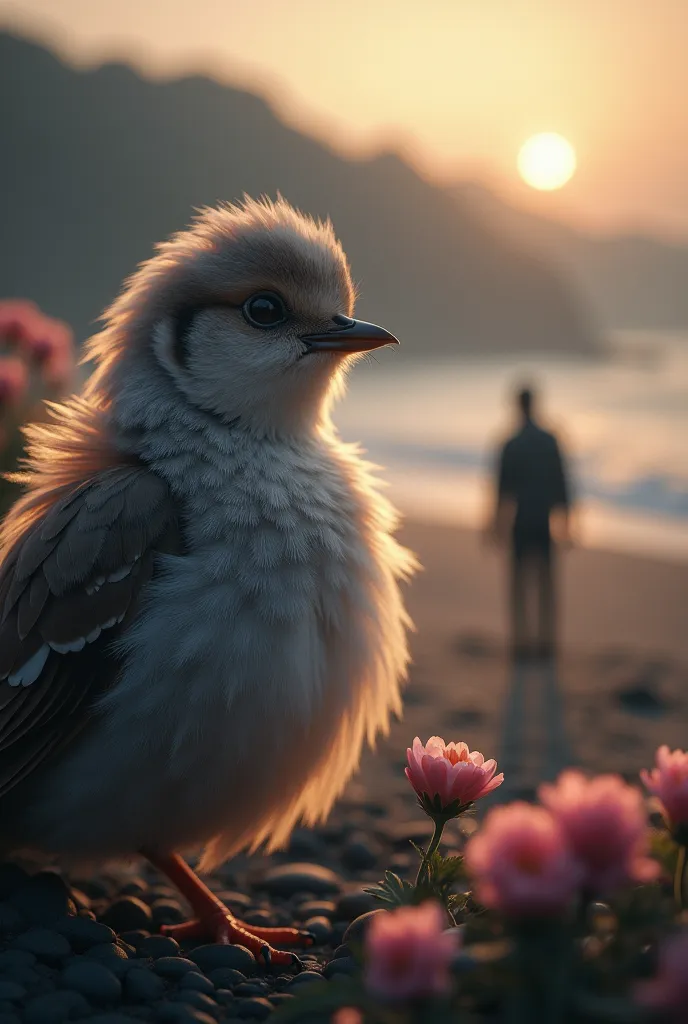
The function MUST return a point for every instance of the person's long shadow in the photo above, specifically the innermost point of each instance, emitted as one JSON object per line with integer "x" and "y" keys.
{"x": 534, "y": 746}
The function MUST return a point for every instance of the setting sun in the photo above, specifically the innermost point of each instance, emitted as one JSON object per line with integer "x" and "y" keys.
{"x": 546, "y": 161}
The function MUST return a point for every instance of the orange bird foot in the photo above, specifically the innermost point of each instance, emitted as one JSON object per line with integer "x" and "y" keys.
{"x": 215, "y": 922}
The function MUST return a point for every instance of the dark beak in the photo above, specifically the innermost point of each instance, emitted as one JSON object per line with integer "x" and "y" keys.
{"x": 349, "y": 336}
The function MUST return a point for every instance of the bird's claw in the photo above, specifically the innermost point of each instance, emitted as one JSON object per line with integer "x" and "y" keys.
{"x": 266, "y": 953}
{"x": 298, "y": 963}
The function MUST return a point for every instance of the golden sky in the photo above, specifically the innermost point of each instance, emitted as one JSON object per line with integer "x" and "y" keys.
{"x": 456, "y": 85}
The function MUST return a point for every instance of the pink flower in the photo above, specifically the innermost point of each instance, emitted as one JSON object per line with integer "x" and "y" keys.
{"x": 522, "y": 863}
{"x": 668, "y": 990}
{"x": 51, "y": 347}
{"x": 408, "y": 953}
{"x": 605, "y": 824}
{"x": 14, "y": 380}
{"x": 348, "y": 1015}
{"x": 669, "y": 782}
{"x": 17, "y": 319}
{"x": 447, "y": 777}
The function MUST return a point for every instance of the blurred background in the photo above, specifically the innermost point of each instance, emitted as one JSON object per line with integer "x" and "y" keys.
{"x": 510, "y": 182}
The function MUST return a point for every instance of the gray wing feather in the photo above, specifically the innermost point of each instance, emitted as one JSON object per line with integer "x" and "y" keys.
{"x": 67, "y": 589}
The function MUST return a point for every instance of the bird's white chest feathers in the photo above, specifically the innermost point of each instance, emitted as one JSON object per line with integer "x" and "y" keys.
{"x": 262, "y": 657}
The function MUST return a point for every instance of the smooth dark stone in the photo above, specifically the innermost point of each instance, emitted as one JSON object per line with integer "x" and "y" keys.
{"x": 353, "y": 904}
{"x": 253, "y": 1009}
{"x": 82, "y": 933}
{"x": 261, "y": 918}
{"x": 305, "y": 978}
{"x": 12, "y": 877}
{"x": 320, "y": 928}
{"x": 277, "y": 998}
{"x": 134, "y": 887}
{"x": 142, "y": 985}
{"x": 80, "y": 899}
{"x": 26, "y": 976}
{"x": 224, "y": 996}
{"x": 156, "y": 946}
{"x": 287, "y": 879}
{"x": 43, "y": 899}
{"x": 127, "y": 914}
{"x": 45, "y": 943}
{"x": 235, "y": 900}
{"x": 56, "y": 1008}
{"x": 95, "y": 888}
{"x": 307, "y": 845}
{"x": 357, "y": 928}
{"x": 173, "y": 966}
{"x": 342, "y": 950}
{"x": 93, "y": 980}
{"x": 226, "y": 977}
{"x": 12, "y": 958}
{"x": 167, "y": 911}
{"x": 178, "y": 1013}
{"x": 361, "y": 852}
{"x": 107, "y": 951}
{"x": 314, "y": 908}
{"x": 210, "y": 957}
{"x": 113, "y": 1018}
{"x": 343, "y": 965}
{"x": 198, "y": 1000}
{"x": 251, "y": 988}
{"x": 197, "y": 983}
{"x": 11, "y": 990}
{"x": 135, "y": 937}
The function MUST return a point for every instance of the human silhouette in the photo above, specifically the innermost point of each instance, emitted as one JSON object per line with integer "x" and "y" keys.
{"x": 532, "y": 486}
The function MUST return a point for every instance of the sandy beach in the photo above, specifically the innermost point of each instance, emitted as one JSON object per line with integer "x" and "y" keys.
{"x": 619, "y": 687}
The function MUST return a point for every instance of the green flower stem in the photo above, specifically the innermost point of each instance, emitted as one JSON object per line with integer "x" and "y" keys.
{"x": 679, "y": 877}
{"x": 434, "y": 843}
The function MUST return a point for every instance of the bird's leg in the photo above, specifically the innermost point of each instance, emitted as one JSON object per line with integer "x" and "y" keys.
{"x": 214, "y": 920}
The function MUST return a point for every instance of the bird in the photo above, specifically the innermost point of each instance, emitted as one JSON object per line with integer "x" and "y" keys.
{"x": 202, "y": 618}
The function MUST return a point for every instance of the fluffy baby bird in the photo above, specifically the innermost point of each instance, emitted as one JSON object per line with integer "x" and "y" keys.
{"x": 200, "y": 614}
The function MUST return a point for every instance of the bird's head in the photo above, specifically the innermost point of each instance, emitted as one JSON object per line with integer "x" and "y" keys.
{"x": 247, "y": 314}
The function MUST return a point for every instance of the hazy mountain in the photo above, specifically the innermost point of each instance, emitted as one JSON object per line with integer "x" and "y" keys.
{"x": 627, "y": 280}
{"x": 97, "y": 166}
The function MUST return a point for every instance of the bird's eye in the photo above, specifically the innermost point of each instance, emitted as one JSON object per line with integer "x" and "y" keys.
{"x": 265, "y": 310}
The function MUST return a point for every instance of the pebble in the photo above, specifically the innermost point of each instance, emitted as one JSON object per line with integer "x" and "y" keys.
{"x": 210, "y": 957}
{"x": 315, "y": 908}
{"x": 113, "y": 1018}
{"x": 361, "y": 852}
{"x": 251, "y": 988}
{"x": 107, "y": 951}
{"x": 44, "y": 943}
{"x": 143, "y": 985}
{"x": 11, "y": 990}
{"x": 276, "y": 998}
{"x": 353, "y": 904}
{"x": 42, "y": 899}
{"x": 127, "y": 914}
{"x": 342, "y": 965}
{"x": 167, "y": 911}
{"x": 307, "y": 844}
{"x": 357, "y": 928}
{"x": 261, "y": 918}
{"x": 287, "y": 879}
{"x": 178, "y": 1013}
{"x": 320, "y": 928}
{"x": 82, "y": 933}
{"x": 156, "y": 946}
{"x": 224, "y": 996}
{"x": 92, "y": 980}
{"x": 55, "y": 1008}
{"x": 174, "y": 966}
{"x": 253, "y": 1009}
{"x": 198, "y": 983}
{"x": 226, "y": 977}
{"x": 305, "y": 978}
{"x": 13, "y": 958}
{"x": 134, "y": 887}
{"x": 198, "y": 1000}
{"x": 237, "y": 901}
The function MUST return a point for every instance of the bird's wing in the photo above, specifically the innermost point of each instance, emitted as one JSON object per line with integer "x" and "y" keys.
{"x": 68, "y": 587}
